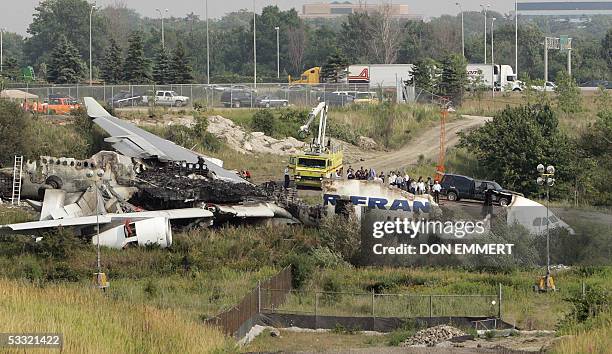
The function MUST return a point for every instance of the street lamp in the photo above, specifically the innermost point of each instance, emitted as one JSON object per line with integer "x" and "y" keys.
{"x": 100, "y": 278}
{"x": 546, "y": 178}
{"x": 1, "y": 48}
{"x": 462, "y": 30}
{"x": 493, "y": 59}
{"x": 161, "y": 15}
{"x": 207, "y": 49}
{"x": 484, "y": 8}
{"x": 516, "y": 37}
{"x": 254, "y": 48}
{"x": 277, "y": 53}
{"x": 93, "y": 7}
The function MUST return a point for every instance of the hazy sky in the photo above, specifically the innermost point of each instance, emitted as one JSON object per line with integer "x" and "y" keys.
{"x": 16, "y": 15}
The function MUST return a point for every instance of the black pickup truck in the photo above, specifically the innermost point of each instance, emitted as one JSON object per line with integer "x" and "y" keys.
{"x": 456, "y": 187}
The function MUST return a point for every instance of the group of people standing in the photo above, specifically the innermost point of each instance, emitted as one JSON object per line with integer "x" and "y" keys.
{"x": 396, "y": 178}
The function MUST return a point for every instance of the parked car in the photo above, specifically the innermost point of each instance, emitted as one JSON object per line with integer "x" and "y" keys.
{"x": 366, "y": 97}
{"x": 126, "y": 98}
{"x": 238, "y": 98}
{"x": 548, "y": 87}
{"x": 596, "y": 84}
{"x": 170, "y": 98}
{"x": 271, "y": 101}
{"x": 457, "y": 187}
{"x": 335, "y": 99}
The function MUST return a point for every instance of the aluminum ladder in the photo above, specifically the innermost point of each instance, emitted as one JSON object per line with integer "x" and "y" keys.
{"x": 17, "y": 174}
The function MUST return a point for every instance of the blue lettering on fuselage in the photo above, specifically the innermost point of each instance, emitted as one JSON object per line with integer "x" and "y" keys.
{"x": 380, "y": 203}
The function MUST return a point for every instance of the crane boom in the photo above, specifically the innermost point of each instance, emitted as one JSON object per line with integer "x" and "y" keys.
{"x": 319, "y": 111}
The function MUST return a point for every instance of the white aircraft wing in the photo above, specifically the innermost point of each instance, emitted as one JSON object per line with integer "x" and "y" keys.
{"x": 132, "y": 141}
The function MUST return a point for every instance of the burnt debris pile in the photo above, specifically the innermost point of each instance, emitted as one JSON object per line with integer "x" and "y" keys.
{"x": 179, "y": 186}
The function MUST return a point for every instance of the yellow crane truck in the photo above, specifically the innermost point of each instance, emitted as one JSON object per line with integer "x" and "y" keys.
{"x": 320, "y": 159}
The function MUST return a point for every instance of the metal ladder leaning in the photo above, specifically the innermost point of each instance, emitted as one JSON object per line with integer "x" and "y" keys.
{"x": 17, "y": 174}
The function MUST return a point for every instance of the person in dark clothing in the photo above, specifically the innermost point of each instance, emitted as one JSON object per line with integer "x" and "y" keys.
{"x": 287, "y": 178}
{"x": 488, "y": 200}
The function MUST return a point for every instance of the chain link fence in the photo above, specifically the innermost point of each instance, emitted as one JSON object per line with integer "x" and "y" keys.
{"x": 222, "y": 95}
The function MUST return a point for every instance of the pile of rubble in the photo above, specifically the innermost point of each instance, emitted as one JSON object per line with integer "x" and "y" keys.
{"x": 256, "y": 142}
{"x": 433, "y": 335}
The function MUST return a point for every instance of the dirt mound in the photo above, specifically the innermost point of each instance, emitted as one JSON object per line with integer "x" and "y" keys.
{"x": 256, "y": 142}
{"x": 433, "y": 335}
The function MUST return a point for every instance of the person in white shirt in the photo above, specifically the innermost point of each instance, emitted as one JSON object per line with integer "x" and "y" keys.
{"x": 436, "y": 191}
{"x": 421, "y": 187}
{"x": 392, "y": 178}
{"x": 413, "y": 187}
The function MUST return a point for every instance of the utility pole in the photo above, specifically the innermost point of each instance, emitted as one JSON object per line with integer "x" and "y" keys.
{"x": 161, "y": 15}
{"x": 484, "y": 8}
{"x": 493, "y": 58}
{"x": 207, "y": 48}
{"x": 1, "y": 49}
{"x": 516, "y": 37}
{"x": 254, "y": 48}
{"x": 93, "y": 7}
{"x": 277, "y": 52}
{"x": 462, "y": 31}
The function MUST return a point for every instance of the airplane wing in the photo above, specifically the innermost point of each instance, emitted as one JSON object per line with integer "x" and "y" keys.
{"x": 132, "y": 141}
{"x": 174, "y": 214}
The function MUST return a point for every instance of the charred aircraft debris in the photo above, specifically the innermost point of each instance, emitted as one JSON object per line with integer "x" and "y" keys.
{"x": 137, "y": 193}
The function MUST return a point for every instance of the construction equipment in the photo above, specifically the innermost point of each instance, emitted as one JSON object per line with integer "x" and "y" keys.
{"x": 320, "y": 159}
{"x": 17, "y": 174}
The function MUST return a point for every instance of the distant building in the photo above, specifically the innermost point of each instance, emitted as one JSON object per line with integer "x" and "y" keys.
{"x": 564, "y": 8}
{"x": 337, "y": 9}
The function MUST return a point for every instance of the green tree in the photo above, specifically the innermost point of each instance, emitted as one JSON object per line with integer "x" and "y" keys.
{"x": 425, "y": 74}
{"x": 112, "y": 63}
{"x": 136, "y": 66}
{"x": 180, "y": 71}
{"x": 334, "y": 69}
{"x": 518, "y": 139}
{"x": 66, "y": 65}
{"x": 595, "y": 148}
{"x": 161, "y": 70}
{"x": 453, "y": 78}
{"x": 264, "y": 121}
{"x": 606, "y": 50}
{"x": 569, "y": 98}
{"x": 54, "y": 19}
{"x": 13, "y": 123}
{"x": 11, "y": 69}
{"x": 354, "y": 37}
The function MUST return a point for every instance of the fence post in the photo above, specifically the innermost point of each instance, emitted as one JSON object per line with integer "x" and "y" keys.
{"x": 430, "y": 306}
{"x": 499, "y": 310}
{"x": 316, "y": 309}
{"x": 259, "y": 296}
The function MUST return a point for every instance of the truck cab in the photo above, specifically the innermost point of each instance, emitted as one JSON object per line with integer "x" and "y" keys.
{"x": 310, "y": 76}
{"x": 310, "y": 169}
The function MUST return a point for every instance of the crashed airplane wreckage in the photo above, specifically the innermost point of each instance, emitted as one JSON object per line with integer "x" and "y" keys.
{"x": 136, "y": 194}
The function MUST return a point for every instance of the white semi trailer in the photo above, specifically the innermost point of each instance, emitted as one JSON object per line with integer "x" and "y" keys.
{"x": 380, "y": 75}
{"x": 502, "y": 76}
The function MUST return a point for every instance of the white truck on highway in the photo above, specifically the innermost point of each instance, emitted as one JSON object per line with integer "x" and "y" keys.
{"x": 502, "y": 76}
{"x": 380, "y": 75}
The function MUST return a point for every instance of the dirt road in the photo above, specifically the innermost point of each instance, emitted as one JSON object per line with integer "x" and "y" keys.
{"x": 426, "y": 144}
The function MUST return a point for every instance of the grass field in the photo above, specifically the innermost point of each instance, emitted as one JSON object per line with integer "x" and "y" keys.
{"x": 94, "y": 322}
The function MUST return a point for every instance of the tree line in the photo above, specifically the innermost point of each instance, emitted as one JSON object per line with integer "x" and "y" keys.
{"x": 304, "y": 43}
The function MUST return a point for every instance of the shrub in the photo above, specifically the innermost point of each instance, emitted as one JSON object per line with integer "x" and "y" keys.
{"x": 302, "y": 270}
{"x": 264, "y": 121}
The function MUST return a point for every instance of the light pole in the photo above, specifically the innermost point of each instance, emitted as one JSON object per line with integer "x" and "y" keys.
{"x": 546, "y": 178}
{"x": 516, "y": 37}
{"x": 101, "y": 281}
{"x": 277, "y": 53}
{"x": 484, "y": 8}
{"x": 254, "y": 48}
{"x": 462, "y": 30}
{"x": 207, "y": 49}
{"x": 493, "y": 59}
{"x": 161, "y": 15}
{"x": 1, "y": 49}
{"x": 93, "y": 7}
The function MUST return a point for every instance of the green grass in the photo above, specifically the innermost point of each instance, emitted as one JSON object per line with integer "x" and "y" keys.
{"x": 96, "y": 322}
{"x": 520, "y": 306}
